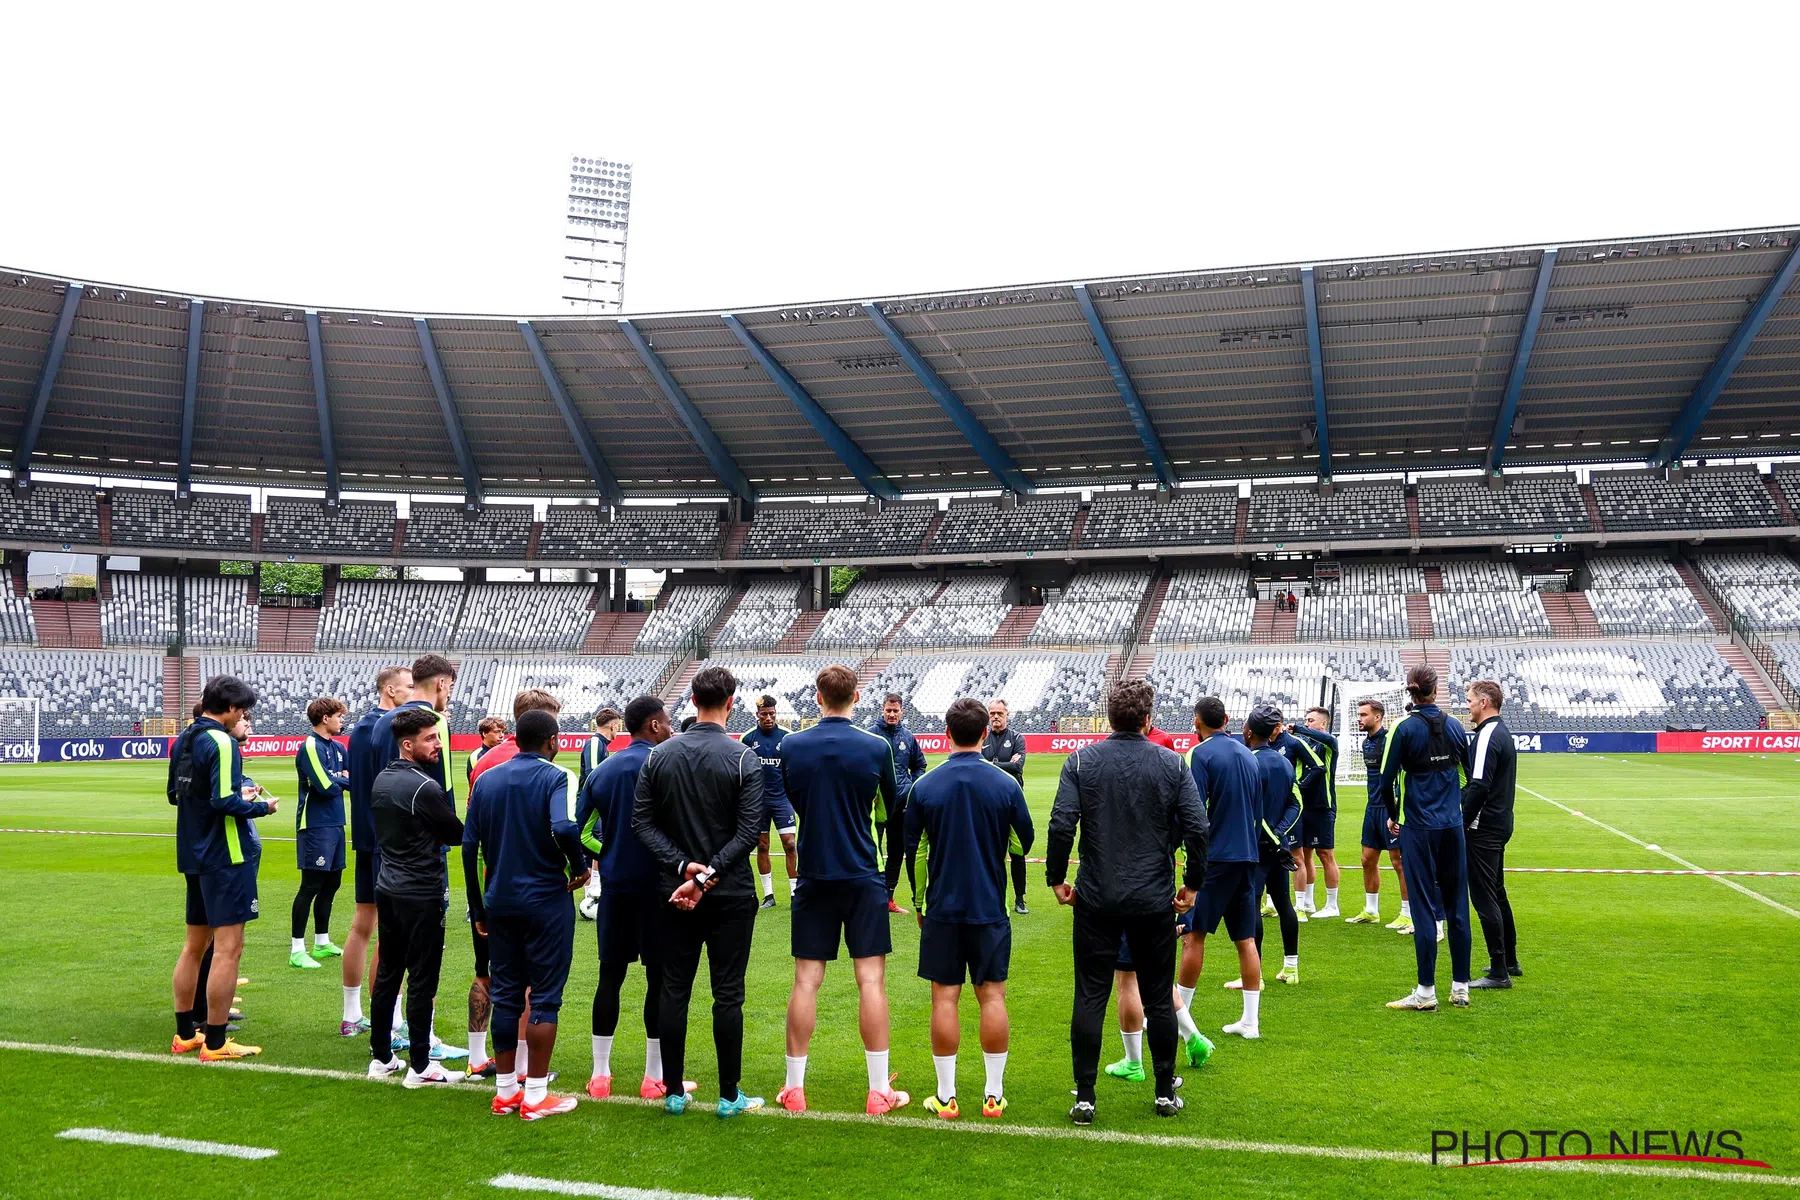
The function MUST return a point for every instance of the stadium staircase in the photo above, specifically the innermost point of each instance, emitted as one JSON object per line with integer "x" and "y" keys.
{"x": 1418, "y": 615}
{"x": 794, "y": 640}
{"x": 531, "y": 543}
{"x": 613, "y": 633}
{"x": 731, "y": 541}
{"x": 869, "y": 668}
{"x": 21, "y": 585}
{"x": 675, "y": 682}
{"x": 1267, "y": 625}
{"x": 1780, "y": 498}
{"x": 399, "y": 536}
{"x": 1412, "y": 518}
{"x": 1434, "y": 579}
{"x": 67, "y": 624}
{"x": 1761, "y": 686}
{"x": 1243, "y": 520}
{"x": 1571, "y": 616}
{"x": 104, "y": 506}
{"x": 256, "y": 532}
{"x": 1708, "y": 603}
{"x": 1593, "y": 508}
{"x": 1139, "y": 666}
{"x": 1151, "y": 612}
{"x": 1016, "y": 626}
{"x": 1112, "y": 671}
{"x": 937, "y": 519}
{"x": 1081, "y": 520}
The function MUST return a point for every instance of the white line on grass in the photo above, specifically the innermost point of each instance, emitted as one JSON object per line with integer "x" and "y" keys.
{"x": 115, "y": 833}
{"x": 576, "y": 1187}
{"x": 992, "y": 1129}
{"x": 155, "y": 1141}
{"x": 1675, "y": 858}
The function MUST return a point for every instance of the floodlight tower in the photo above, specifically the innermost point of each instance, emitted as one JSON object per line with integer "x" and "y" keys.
{"x": 596, "y": 224}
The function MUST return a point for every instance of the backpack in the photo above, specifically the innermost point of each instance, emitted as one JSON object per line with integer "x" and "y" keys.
{"x": 1441, "y": 754}
{"x": 181, "y": 767}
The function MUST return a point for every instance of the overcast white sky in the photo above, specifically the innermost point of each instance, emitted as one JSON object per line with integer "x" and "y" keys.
{"x": 401, "y": 157}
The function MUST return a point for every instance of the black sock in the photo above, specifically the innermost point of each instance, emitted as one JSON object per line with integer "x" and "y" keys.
{"x": 215, "y": 1036}
{"x": 1084, "y": 1093}
{"x": 184, "y": 1024}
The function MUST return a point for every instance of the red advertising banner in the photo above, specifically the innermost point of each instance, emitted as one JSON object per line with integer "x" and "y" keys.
{"x": 1748, "y": 741}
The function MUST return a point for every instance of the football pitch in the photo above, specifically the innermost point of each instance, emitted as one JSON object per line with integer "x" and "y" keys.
{"x": 1653, "y": 1005}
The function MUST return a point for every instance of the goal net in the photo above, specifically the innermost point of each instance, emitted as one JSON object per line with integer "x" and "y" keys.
{"x": 18, "y": 729}
{"x": 1351, "y": 693}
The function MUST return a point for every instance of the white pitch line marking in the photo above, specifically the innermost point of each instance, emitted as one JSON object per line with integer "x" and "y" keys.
{"x": 990, "y": 1129}
{"x": 576, "y": 1187}
{"x": 155, "y": 1141}
{"x": 1733, "y": 884}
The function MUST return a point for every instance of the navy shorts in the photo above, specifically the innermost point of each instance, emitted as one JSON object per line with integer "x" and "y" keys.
{"x": 223, "y": 897}
{"x": 368, "y": 869}
{"x": 531, "y": 952}
{"x": 625, "y": 923}
{"x": 779, "y": 812}
{"x": 1124, "y": 962}
{"x": 949, "y": 950}
{"x": 1318, "y": 829}
{"x": 1230, "y": 894}
{"x": 320, "y": 849}
{"x": 1375, "y": 831}
{"x": 856, "y": 909}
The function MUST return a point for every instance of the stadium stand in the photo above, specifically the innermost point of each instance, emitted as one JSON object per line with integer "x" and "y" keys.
{"x": 837, "y": 530}
{"x": 1611, "y": 686}
{"x": 1367, "y": 618}
{"x": 17, "y": 627}
{"x": 1192, "y": 517}
{"x": 686, "y": 611}
{"x": 1730, "y": 499}
{"x": 896, "y": 591}
{"x": 982, "y": 526}
{"x": 50, "y": 513}
{"x": 1373, "y": 579}
{"x": 1093, "y": 610}
{"x": 967, "y": 613}
{"x": 358, "y": 527}
{"x": 1479, "y": 575}
{"x": 791, "y": 680}
{"x": 1527, "y": 504}
{"x": 1465, "y": 615}
{"x": 286, "y": 683}
{"x": 1289, "y": 679}
{"x": 855, "y": 627}
{"x": 85, "y": 694}
{"x": 1205, "y": 606}
{"x": 584, "y": 685}
{"x": 1640, "y": 594}
{"x": 764, "y": 614}
{"x": 584, "y": 531}
{"x": 1762, "y": 589}
{"x": 1639, "y": 571}
{"x": 1360, "y": 511}
{"x": 446, "y": 531}
{"x": 390, "y": 615}
{"x": 1039, "y": 689}
{"x": 211, "y": 520}
{"x": 141, "y": 610}
{"x": 525, "y": 616}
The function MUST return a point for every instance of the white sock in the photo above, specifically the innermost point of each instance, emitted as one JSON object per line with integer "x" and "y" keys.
{"x": 1290, "y": 960}
{"x": 431, "y": 1037}
{"x": 602, "y": 1055}
{"x": 1331, "y": 897}
{"x": 477, "y": 1046}
{"x": 321, "y": 939}
{"x": 1441, "y": 931}
{"x": 1134, "y": 1045}
{"x": 353, "y": 1003}
{"x": 768, "y": 884}
{"x": 996, "y": 1073}
{"x": 399, "y": 1012}
{"x": 1372, "y": 903}
{"x": 1186, "y": 994}
{"x": 1252, "y": 1006}
{"x": 522, "y": 1060}
{"x": 299, "y": 945}
{"x": 793, "y": 886}
{"x": 1429, "y": 993}
{"x": 1299, "y": 900}
{"x": 507, "y": 1086}
{"x": 796, "y": 1071}
{"x": 1184, "y": 1021}
{"x": 1406, "y": 909}
{"x": 878, "y": 1069}
{"x": 946, "y": 1075}
{"x": 535, "y": 1087}
{"x": 653, "y": 1058}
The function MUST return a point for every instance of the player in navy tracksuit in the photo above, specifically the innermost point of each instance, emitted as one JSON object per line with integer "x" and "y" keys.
{"x": 218, "y": 850}
{"x": 766, "y": 740}
{"x": 909, "y": 765}
{"x": 1229, "y": 780}
{"x": 966, "y": 812}
{"x": 1282, "y": 808}
{"x": 1371, "y": 718}
{"x": 630, "y": 902}
{"x": 522, "y": 823}
{"x": 1308, "y": 762}
{"x": 1318, "y": 822}
{"x": 840, "y": 780}
{"x": 1424, "y": 765}
{"x": 392, "y": 686}
{"x": 318, "y": 830}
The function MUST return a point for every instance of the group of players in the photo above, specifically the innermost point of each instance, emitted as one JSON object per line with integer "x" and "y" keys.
{"x": 661, "y": 834}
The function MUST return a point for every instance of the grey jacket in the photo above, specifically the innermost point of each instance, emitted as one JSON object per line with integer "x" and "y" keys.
{"x": 700, "y": 799}
{"x": 1133, "y": 802}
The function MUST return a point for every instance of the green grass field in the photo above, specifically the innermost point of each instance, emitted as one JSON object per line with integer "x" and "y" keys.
{"x": 1649, "y": 1002}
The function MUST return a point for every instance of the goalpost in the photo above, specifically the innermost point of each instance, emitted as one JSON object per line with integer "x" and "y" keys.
{"x": 18, "y": 729}
{"x": 1350, "y": 693}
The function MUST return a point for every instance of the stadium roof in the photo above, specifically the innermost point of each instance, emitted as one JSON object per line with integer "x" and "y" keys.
{"x": 1614, "y": 351}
